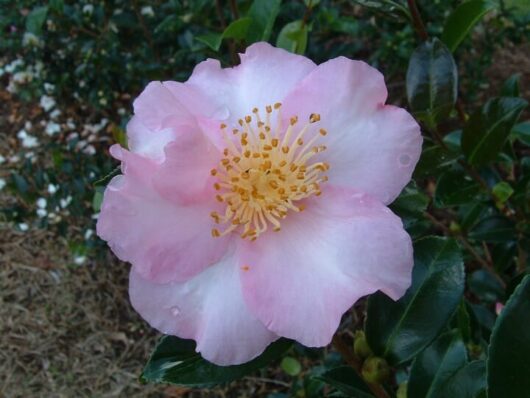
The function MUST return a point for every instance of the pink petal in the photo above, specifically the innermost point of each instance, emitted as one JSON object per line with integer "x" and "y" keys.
{"x": 265, "y": 76}
{"x": 372, "y": 148}
{"x": 184, "y": 175}
{"x": 301, "y": 280}
{"x": 209, "y": 309}
{"x": 164, "y": 240}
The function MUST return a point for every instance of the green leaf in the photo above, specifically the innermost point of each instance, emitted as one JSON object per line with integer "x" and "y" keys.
{"x": 454, "y": 188}
{"x": 510, "y": 87}
{"x": 97, "y": 199}
{"x": 502, "y": 191}
{"x": 432, "y": 82}
{"x": 433, "y": 160}
{"x": 347, "y": 381}
{"x": 522, "y": 132}
{"x": 410, "y": 203}
{"x": 175, "y": 361}
{"x": 434, "y": 366}
{"x": 462, "y": 20}
{"x": 291, "y": 366}
{"x": 485, "y": 286}
{"x": 397, "y": 330}
{"x": 494, "y": 229}
{"x": 486, "y": 130}
{"x": 468, "y": 382}
{"x": 236, "y": 30}
{"x": 293, "y": 37}
{"x": 508, "y": 366}
{"x": 35, "y": 20}
{"x": 263, "y": 14}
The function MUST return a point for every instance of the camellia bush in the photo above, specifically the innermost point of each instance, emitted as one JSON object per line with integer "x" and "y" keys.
{"x": 365, "y": 224}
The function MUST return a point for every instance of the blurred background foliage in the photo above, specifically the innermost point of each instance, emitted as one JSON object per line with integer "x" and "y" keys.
{"x": 70, "y": 70}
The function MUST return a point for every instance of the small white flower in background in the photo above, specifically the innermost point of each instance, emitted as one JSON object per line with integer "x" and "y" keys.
{"x": 41, "y": 203}
{"x": 30, "y": 40}
{"x": 14, "y": 159}
{"x": 54, "y": 218}
{"x": 22, "y": 77}
{"x": 23, "y": 226}
{"x": 79, "y": 260}
{"x": 147, "y": 11}
{"x": 28, "y": 125}
{"x": 52, "y": 128}
{"x": 88, "y": 234}
{"x": 52, "y": 189}
{"x": 2, "y": 183}
{"x": 89, "y": 150}
{"x": 47, "y": 102}
{"x": 30, "y": 155}
{"x": 28, "y": 141}
{"x": 88, "y": 9}
{"x": 70, "y": 124}
{"x": 72, "y": 136}
{"x": 122, "y": 111}
{"x": 10, "y": 68}
{"x": 2, "y": 159}
{"x": 55, "y": 113}
{"x": 41, "y": 213}
{"x": 49, "y": 88}
{"x": 65, "y": 202}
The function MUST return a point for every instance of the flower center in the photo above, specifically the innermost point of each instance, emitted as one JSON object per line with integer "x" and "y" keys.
{"x": 263, "y": 175}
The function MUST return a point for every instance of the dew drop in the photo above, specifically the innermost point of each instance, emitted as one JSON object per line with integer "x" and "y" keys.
{"x": 175, "y": 310}
{"x": 404, "y": 160}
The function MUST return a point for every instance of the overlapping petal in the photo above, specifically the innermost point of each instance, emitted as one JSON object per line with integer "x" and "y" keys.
{"x": 163, "y": 239}
{"x": 372, "y": 147}
{"x": 208, "y": 308}
{"x": 300, "y": 281}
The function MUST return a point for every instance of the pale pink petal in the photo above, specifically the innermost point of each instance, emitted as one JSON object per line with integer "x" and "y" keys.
{"x": 300, "y": 281}
{"x": 371, "y": 147}
{"x": 184, "y": 176}
{"x": 265, "y": 76}
{"x": 208, "y": 309}
{"x": 164, "y": 240}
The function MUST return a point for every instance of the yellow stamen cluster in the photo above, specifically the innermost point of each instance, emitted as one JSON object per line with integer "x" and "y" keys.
{"x": 264, "y": 174}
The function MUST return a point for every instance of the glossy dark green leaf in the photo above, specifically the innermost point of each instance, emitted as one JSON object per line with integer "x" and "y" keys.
{"x": 433, "y": 161}
{"x": 175, "y": 361}
{"x": 487, "y": 130}
{"x": 485, "y": 286}
{"x": 35, "y": 20}
{"x": 510, "y": 88}
{"x": 400, "y": 329}
{"x": 346, "y": 380}
{"x": 462, "y": 321}
{"x": 236, "y": 30}
{"x": 522, "y": 132}
{"x": 508, "y": 366}
{"x": 263, "y": 15}
{"x": 432, "y": 82}
{"x": 462, "y": 20}
{"x": 293, "y": 37}
{"x": 455, "y": 188}
{"x": 468, "y": 382}
{"x": 494, "y": 229}
{"x": 410, "y": 203}
{"x": 435, "y": 365}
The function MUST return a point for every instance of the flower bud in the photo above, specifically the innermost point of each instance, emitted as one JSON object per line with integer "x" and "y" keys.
{"x": 360, "y": 345}
{"x": 375, "y": 370}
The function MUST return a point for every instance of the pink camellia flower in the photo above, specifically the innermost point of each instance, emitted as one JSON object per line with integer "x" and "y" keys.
{"x": 252, "y": 203}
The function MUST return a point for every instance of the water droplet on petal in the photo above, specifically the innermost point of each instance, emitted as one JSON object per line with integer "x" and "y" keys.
{"x": 175, "y": 310}
{"x": 404, "y": 160}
